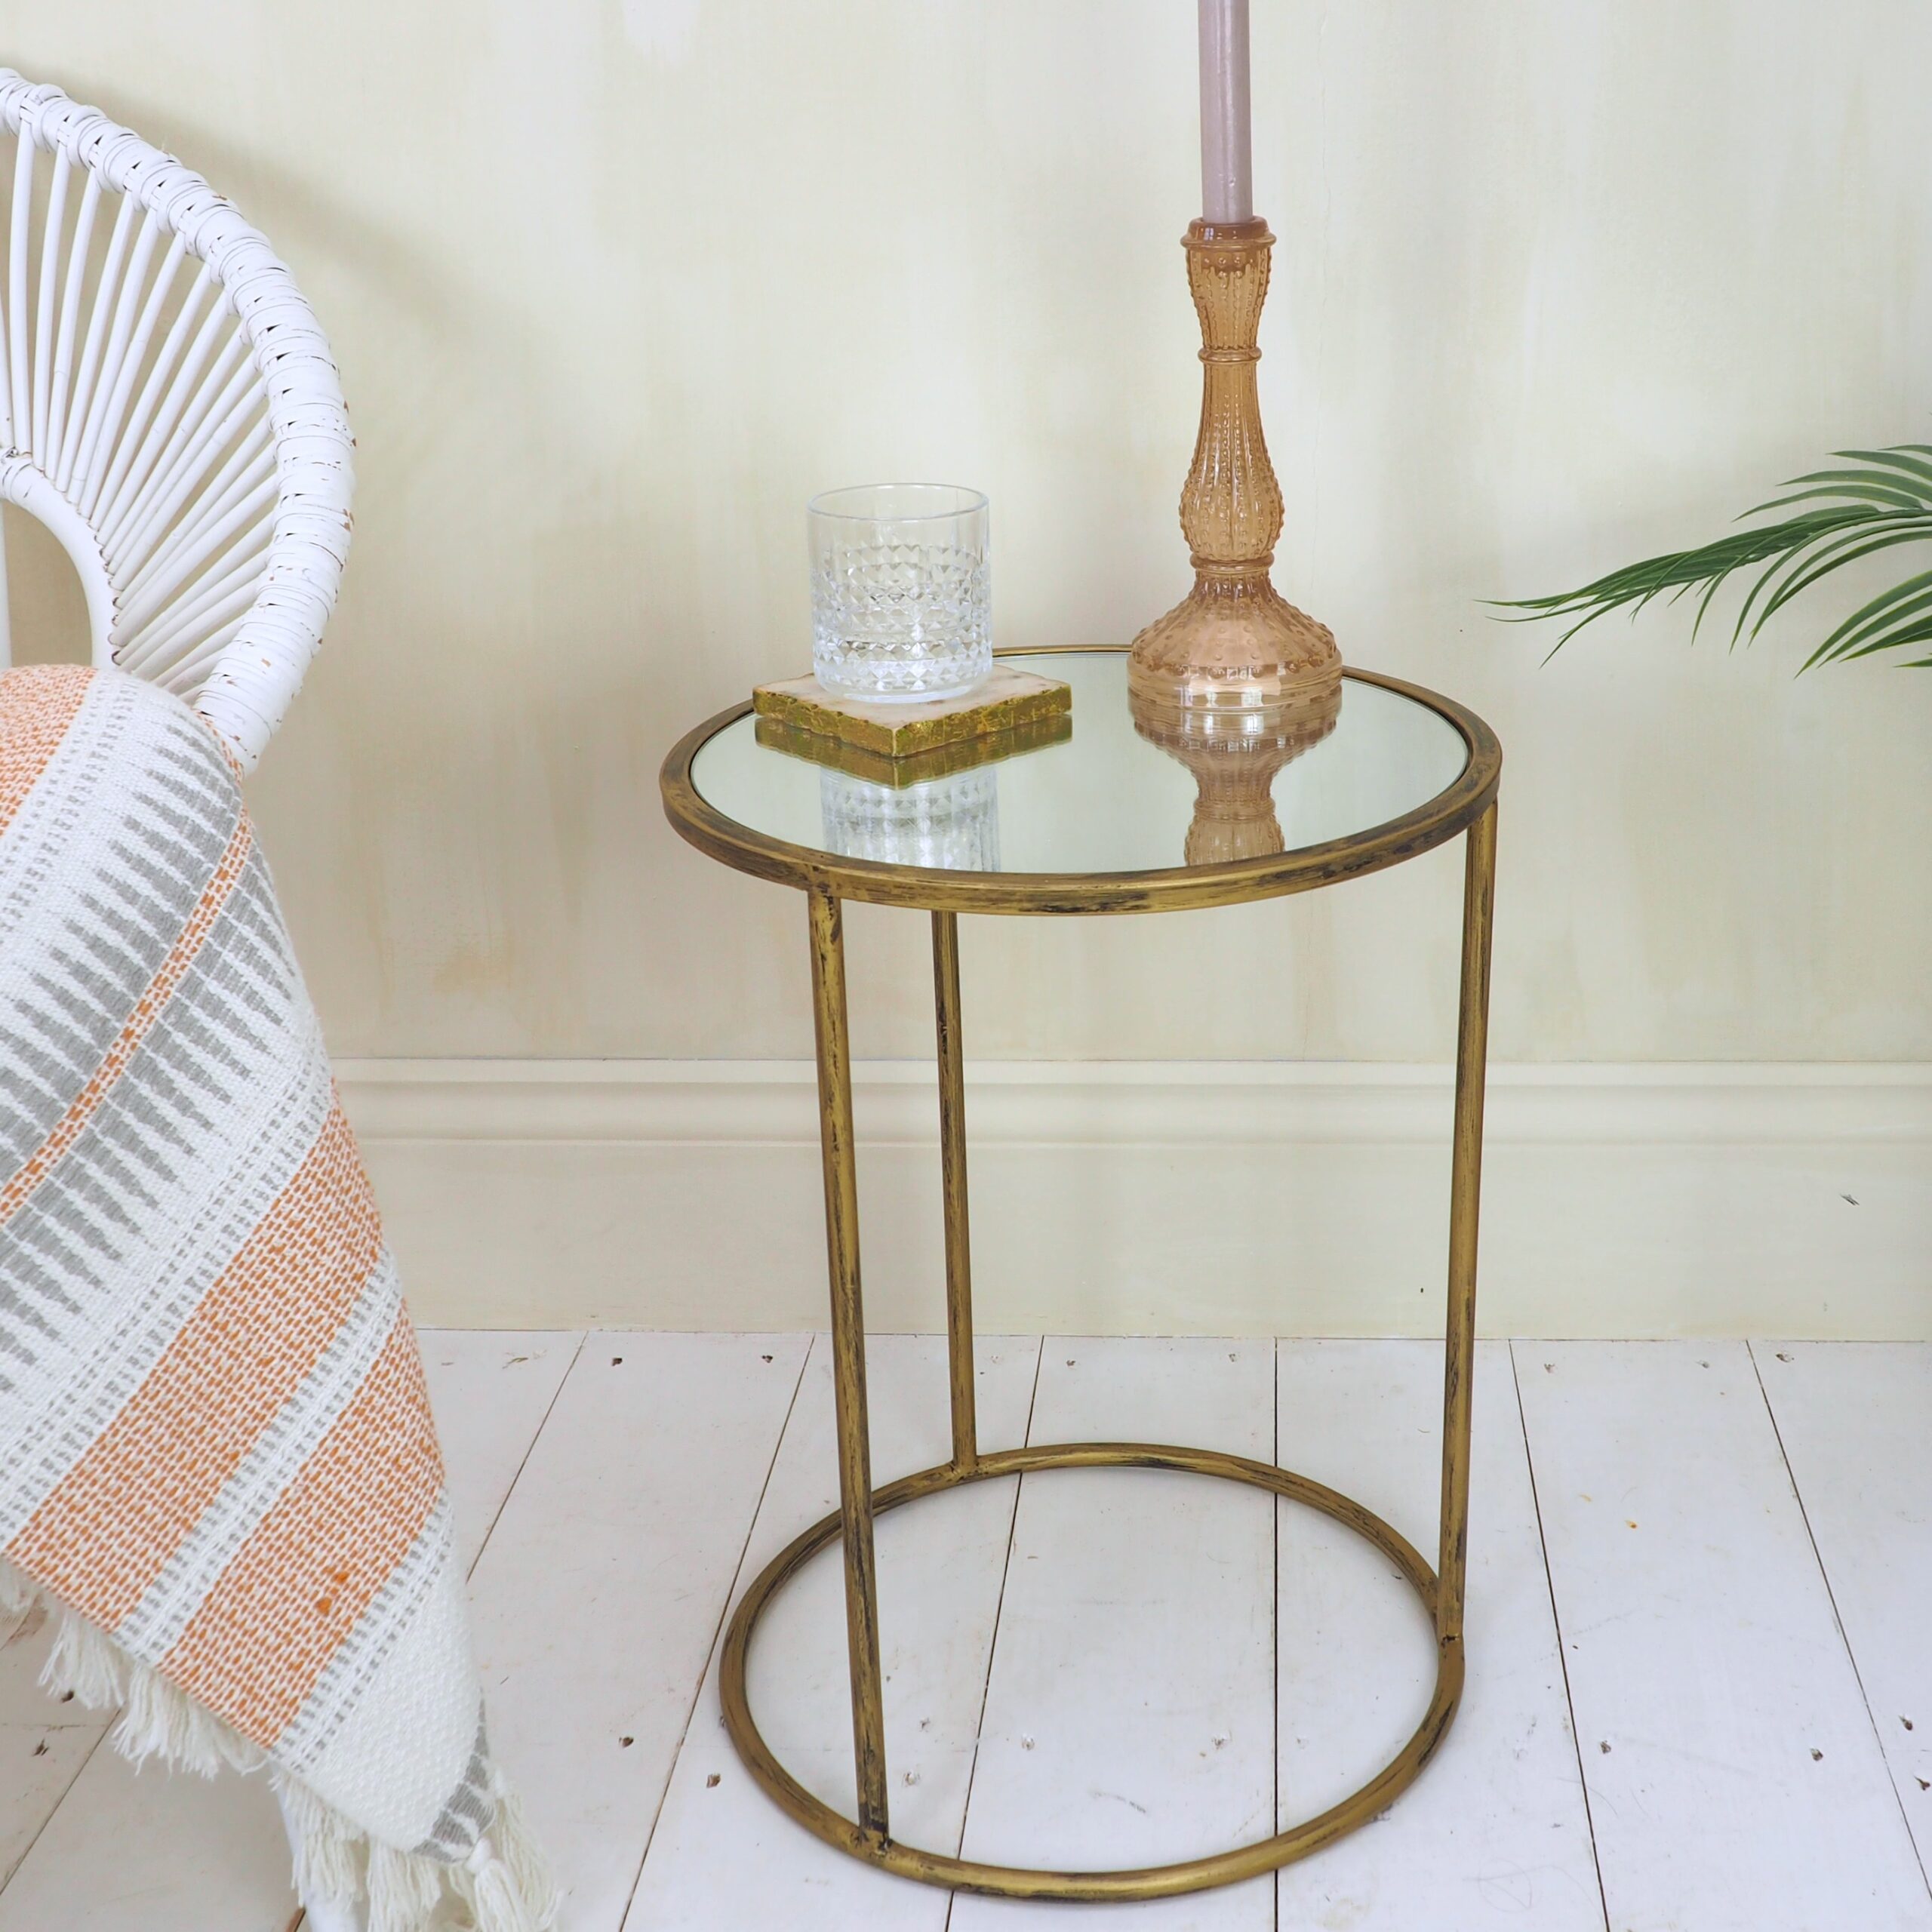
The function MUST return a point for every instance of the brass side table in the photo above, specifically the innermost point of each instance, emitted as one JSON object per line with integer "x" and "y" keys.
{"x": 1098, "y": 824}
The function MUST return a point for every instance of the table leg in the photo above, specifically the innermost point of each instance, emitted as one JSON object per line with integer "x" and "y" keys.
{"x": 952, "y": 1185}
{"x": 1465, "y": 1190}
{"x": 839, "y": 1154}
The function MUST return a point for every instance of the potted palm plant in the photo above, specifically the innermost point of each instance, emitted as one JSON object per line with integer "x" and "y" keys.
{"x": 1881, "y": 498}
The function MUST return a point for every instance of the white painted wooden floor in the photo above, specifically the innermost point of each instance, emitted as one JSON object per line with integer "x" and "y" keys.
{"x": 1700, "y": 1680}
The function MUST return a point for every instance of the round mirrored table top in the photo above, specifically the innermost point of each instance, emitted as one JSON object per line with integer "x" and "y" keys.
{"x": 1105, "y": 820}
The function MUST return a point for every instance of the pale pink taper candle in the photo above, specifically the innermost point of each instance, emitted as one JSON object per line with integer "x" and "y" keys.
{"x": 1227, "y": 158}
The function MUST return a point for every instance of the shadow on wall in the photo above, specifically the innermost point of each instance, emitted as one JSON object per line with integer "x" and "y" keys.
{"x": 44, "y": 601}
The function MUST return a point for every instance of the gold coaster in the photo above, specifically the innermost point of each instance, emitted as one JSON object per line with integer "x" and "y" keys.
{"x": 940, "y": 762}
{"x": 1009, "y": 700}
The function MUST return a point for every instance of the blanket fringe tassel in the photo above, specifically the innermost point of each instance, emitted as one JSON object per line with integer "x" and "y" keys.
{"x": 503, "y": 1886}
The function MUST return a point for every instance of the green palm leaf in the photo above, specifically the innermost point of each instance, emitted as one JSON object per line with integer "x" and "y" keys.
{"x": 1840, "y": 515}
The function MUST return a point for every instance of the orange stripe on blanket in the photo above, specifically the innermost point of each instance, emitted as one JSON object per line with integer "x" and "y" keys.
{"x": 102, "y": 1537}
{"x": 140, "y": 1023}
{"x": 257, "y": 1646}
{"x": 38, "y": 703}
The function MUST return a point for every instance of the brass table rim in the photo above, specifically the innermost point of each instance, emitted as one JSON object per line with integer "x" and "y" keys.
{"x": 1246, "y": 1861}
{"x": 1169, "y": 888}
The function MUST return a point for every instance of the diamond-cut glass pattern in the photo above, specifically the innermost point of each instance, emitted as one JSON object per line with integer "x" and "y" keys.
{"x": 902, "y": 601}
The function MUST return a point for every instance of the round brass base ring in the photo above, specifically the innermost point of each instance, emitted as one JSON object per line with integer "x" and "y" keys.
{"x": 1193, "y": 1874}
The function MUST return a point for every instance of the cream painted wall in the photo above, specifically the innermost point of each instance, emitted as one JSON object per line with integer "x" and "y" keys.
{"x": 616, "y": 284}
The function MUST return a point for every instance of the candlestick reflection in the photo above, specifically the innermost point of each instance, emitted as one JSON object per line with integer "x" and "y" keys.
{"x": 1236, "y": 753}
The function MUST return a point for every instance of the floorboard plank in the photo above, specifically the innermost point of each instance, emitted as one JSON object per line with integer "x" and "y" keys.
{"x": 723, "y": 1854}
{"x": 491, "y": 1390}
{"x": 602, "y": 1589}
{"x": 1495, "y": 1834}
{"x": 1735, "y": 1783}
{"x": 1130, "y": 1715}
{"x": 151, "y": 1852}
{"x": 1855, "y": 1419}
{"x": 43, "y": 1744}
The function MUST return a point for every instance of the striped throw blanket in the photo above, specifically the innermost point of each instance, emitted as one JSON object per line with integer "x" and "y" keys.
{"x": 217, "y": 1464}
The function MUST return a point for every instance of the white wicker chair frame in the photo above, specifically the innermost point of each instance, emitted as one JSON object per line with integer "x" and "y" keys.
{"x": 180, "y": 430}
{"x": 181, "y": 433}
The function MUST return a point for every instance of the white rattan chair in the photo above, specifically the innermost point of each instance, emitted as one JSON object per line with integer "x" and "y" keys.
{"x": 169, "y": 410}
{"x": 180, "y": 429}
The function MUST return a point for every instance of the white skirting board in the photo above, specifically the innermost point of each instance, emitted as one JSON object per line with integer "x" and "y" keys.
{"x": 1168, "y": 1197}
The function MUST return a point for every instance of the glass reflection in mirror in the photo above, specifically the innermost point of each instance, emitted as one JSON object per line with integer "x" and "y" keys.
{"x": 1234, "y": 754}
{"x": 951, "y": 823}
